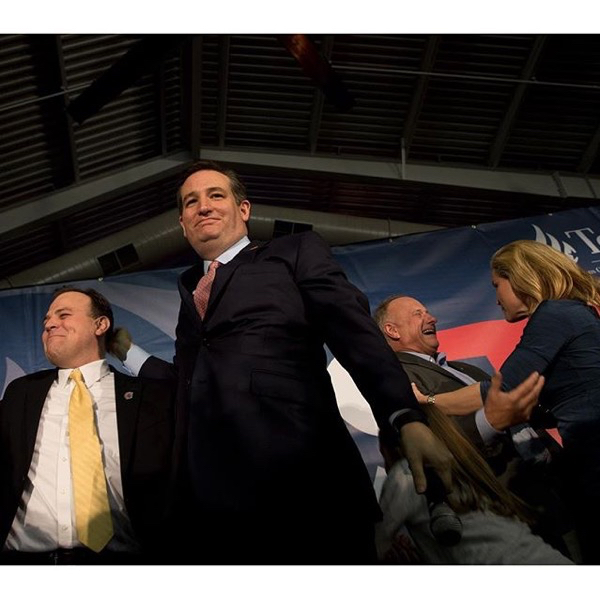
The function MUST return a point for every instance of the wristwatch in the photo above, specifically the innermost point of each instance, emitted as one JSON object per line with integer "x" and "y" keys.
{"x": 431, "y": 399}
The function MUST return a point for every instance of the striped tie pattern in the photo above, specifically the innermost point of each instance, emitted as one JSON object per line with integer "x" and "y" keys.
{"x": 202, "y": 291}
{"x": 92, "y": 511}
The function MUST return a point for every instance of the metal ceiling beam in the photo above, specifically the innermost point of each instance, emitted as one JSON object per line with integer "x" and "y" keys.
{"x": 194, "y": 103}
{"x": 74, "y": 198}
{"x": 577, "y": 186}
{"x": 161, "y": 103}
{"x": 589, "y": 155}
{"x": 319, "y": 99}
{"x": 61, "y": 203}
{"x": 72, "y": 149}
{"x": 510, "y": 116}
{"x": 410, "y": 123}
{"x": 224, "y": 47}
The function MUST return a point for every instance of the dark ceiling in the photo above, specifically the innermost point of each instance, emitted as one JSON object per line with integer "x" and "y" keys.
{"x": 447, "y": 130}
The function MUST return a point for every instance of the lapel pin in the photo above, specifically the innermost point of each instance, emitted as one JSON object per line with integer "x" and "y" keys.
{"x": 128, "y": 395}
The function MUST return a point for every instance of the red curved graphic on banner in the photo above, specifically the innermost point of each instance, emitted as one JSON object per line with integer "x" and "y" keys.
{"x": 493, "y": 339}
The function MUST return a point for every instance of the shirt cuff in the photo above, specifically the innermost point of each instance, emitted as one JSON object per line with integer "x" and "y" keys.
{"x": 488, "y": 433}
{"x": 135, "y": 359}
{"x": 403, "y": 416}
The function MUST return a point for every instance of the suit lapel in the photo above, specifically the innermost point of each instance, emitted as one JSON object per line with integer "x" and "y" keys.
{"x": 32, "y": 406}
{"x": 405, "y": 357}
{"x": 225, "y": 272}
{"x": 128, "y": 399}
{"x": 187, "y": 284}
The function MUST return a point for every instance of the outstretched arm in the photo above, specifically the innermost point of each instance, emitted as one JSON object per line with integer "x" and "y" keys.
{"x": 136, "y": 360}
{"x": 463, "y": 401}
{"x": 502, "y": 408}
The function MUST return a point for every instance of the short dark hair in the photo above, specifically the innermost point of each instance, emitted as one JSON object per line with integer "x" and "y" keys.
{"x": 238, "y": 189}
{"x": 100, "y": 306}
{"x": 381, "y": 310}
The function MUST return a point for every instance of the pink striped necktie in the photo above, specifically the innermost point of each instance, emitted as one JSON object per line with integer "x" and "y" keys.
{"x": 202, "y": 291}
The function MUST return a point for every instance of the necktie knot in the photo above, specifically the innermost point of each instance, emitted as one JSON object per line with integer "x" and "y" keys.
{"x": 213, "y": 265}
{"x": 202, "y": 291}
{"x": 76, "y": 376}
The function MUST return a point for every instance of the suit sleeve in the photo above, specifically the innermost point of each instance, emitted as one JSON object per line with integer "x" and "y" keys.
{"x": 340, "y": 311}
{"x": 156, "y": 368}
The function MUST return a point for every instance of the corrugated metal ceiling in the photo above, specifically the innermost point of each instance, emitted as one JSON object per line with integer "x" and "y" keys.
{"x": 522, "y": 103}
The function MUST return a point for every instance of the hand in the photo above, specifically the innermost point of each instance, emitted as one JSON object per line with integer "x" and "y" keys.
{"x": 422, "y": 448}
{"x": 120, "y": 343}
{"x": 505, "y": 409}
{"x": 421, "y": 398}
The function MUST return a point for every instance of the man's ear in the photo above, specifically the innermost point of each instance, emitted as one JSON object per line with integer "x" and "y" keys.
{"x": 102, "y": 325}
{"x": 391, "y": 331}
{"x": 245, "y": 207}
{"x": 182, "y": 227}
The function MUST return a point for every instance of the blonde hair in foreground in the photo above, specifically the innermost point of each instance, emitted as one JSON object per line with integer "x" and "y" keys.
{"x": 475, "y": 487}
{"x": 537, "y": 272}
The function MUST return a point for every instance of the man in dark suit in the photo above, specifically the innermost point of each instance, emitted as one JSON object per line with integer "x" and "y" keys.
{"x": 410, "y": 330}
{"x": 523, "y": 460}
{"x": 132, "y": 431}
{"x": 275, "y": 476}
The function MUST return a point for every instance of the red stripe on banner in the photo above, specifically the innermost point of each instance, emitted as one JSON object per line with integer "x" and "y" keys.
{"x": 492, "y": 339}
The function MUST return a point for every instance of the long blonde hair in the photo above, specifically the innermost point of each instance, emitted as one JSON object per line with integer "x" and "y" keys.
{"x": 537, "y": 272}
{"x": 475, "y": 487}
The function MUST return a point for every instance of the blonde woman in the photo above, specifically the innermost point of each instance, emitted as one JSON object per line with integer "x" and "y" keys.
{"x": 494, "y": 522}
{"x": 562, "y": 342}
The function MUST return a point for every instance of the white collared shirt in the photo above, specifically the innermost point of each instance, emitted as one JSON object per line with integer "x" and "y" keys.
{"x": 45, "y": 518}
{"x": 136, "y": 356}
{"x": 230, "y": 253}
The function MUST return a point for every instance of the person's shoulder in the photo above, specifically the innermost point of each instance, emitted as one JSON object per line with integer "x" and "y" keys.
{"x": 293, "y": 239}
{"x": 403, "y": 355}
{"x": 562, "y": 307}
{"x": 148, "y": 386}
{"x": 562, "y": 316}
{"x": 30, "y": 379}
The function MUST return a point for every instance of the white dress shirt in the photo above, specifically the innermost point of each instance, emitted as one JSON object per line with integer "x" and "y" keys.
{"x": 45, "y": 518}
{"x": 136, "y": 357}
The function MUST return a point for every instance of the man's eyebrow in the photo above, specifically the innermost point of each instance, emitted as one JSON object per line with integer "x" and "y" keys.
{"x": 209, "y": 190}
{"x": 56, "y": 312}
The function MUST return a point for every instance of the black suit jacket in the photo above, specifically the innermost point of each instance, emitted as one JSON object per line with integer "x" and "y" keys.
{"x": 265, "y": 435}
{"x": 145, "y": 432}
{"x": 433, "y": 379}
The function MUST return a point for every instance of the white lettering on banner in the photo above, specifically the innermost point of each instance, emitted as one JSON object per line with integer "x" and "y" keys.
{"x": 585, "y": 235}
{"x": 580, "y": 233}
{"x": 550, "y": 240}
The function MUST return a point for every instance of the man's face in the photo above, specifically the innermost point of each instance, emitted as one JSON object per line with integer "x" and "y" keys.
{"x": 512, "y": 306}
{"x": 70, "y": 336}
{"x": 411, "y": 326}
{"x": 210, "y": 218}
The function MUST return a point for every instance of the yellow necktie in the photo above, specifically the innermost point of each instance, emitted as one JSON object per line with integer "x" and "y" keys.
{"x": 92, "y": 511}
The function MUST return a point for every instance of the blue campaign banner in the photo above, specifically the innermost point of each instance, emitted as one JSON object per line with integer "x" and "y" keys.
{"x": 447, "y": 270}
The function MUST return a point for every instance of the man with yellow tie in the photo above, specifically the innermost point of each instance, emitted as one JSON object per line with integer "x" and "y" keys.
{"x": 84, "y": 450}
